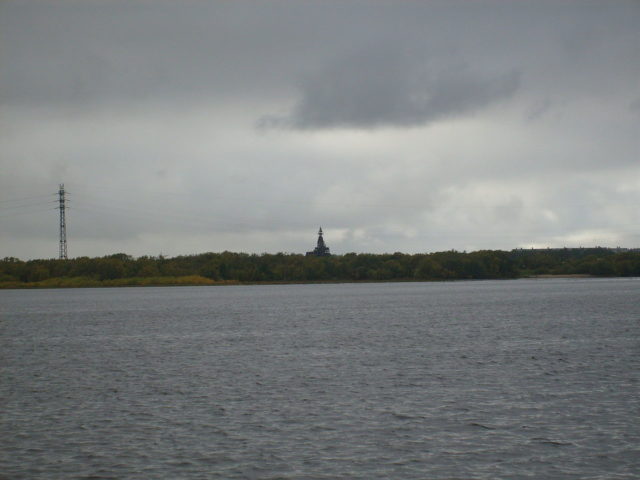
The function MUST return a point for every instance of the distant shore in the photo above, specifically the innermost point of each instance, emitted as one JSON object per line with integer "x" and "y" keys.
{"x": 190, "y": 281}
{"x": 233, "y": 268}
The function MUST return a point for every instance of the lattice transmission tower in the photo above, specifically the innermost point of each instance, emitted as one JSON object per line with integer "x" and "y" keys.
{"x": 63, "y": 225}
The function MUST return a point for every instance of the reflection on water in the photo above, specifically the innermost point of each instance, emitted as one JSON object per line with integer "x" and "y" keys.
{"x": 494, "y": 379}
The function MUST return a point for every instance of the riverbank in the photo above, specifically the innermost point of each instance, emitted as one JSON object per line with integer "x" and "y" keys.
{"x": 228, "y": 268}
{"x": 85, "y": 282}
{"x": 196, "y": 281}
{"x": 575, "y": 275}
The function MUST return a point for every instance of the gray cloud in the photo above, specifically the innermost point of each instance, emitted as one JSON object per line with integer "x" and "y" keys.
{"x": 382, "y": 87}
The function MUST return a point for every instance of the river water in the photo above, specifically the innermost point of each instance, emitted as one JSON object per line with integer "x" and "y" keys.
{"x": 535, "y": 379}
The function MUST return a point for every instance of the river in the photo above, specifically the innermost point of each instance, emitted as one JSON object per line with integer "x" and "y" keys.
{"x": 467, "y": 380}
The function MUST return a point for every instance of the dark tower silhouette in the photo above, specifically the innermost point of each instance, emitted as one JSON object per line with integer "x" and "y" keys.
{"x": 321, "y": 249}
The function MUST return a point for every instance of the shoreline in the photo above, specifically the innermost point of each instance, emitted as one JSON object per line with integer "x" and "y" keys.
{"x": 568, "y": 275}
{"x": 223, "y": 283}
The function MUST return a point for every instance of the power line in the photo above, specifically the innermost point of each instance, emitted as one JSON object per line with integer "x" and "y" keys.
{"x": 15, "y": 207}
{"x": 166, "y": 214}
{"x": 33, "y": 197}
{"x": 30, "y": 212}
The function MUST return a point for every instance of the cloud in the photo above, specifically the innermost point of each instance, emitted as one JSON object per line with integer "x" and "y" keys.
{"x": 382, "y": 87}
{"x": 397, "y": 126}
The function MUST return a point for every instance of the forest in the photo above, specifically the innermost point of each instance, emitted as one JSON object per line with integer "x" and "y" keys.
{"x": 237, "y": 268}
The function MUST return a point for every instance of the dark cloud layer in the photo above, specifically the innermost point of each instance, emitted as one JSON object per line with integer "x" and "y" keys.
{"x": 382, "y": 87}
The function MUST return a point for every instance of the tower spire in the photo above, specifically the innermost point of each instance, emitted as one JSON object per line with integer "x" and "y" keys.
{"x": 321, "y": 249}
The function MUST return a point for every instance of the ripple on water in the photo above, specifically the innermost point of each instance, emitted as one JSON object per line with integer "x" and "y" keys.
{"x": 459, "y": 380}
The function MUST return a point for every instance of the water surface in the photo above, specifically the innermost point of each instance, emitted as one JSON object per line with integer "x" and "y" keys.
{"x": 479, "y": 380}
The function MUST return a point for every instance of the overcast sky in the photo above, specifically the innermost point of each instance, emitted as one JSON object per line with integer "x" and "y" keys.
{"x": 193, "y": 126}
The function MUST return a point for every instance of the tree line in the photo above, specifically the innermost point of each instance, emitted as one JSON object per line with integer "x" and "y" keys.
{"x": 230, "y": 267}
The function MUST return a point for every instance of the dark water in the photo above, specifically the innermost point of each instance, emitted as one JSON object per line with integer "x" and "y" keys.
{"x": 509, "y": 379}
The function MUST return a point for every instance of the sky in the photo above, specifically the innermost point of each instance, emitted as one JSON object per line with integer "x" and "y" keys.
{"x": 183, "y": 127}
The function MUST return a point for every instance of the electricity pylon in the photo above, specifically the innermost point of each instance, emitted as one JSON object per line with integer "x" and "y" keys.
{"x": 63, "y": 225}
